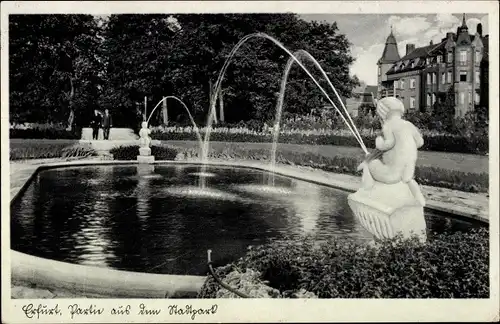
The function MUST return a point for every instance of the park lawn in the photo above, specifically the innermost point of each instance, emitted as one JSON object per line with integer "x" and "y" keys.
{"x": 468, "y": 163}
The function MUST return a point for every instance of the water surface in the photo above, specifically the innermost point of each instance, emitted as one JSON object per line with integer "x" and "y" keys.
{"x": 154, "y": 218}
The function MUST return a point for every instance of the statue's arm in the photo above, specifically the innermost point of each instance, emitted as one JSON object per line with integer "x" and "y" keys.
{"x": 388, "y": 140}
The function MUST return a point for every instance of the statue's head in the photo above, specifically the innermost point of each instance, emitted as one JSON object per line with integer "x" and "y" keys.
{"x": 390, "y": 106}
{"x": 144, "y": 124}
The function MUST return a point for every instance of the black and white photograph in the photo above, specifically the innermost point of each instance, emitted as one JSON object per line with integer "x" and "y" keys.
{"x": 224, "y": 161}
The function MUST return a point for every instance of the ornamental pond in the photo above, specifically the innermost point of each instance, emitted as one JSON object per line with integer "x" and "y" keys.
{"x": 162, "y": 218}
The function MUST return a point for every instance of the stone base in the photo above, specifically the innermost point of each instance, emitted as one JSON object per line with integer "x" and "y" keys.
{"x": 144, "y": 151}
{"x": 145, "y": 159}
{"x": 388, "y": 210}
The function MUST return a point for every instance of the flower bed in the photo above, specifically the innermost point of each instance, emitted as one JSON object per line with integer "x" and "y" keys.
{"x": 449, "y": 266}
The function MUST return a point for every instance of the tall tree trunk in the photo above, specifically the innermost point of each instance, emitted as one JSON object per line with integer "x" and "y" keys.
{"x": 71, "y": 95}
{"x": 221, "y": 107}
{"x": 212, "y": 93}
{"x": 164, "y": 112}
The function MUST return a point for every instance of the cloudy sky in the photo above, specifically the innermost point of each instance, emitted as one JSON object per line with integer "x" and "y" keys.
{"x": 368, "y": 33}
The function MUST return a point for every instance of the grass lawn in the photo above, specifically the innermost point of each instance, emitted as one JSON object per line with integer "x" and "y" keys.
{"x": 470, "y": 163}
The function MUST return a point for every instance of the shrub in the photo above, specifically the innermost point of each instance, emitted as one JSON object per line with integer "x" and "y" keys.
{"x": 130, "y": 152}
{"x": 452, "y": 265}
{"x": 78, "y": 151}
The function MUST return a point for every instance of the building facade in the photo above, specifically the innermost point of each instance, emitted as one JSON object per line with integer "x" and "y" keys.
{"x": 361, "y": 100}
{"x": 456, "y": 66}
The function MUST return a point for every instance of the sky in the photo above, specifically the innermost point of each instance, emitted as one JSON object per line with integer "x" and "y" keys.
{"x": 368, "y": 32}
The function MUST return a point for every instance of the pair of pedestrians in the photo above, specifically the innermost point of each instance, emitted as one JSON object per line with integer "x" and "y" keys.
{"x": 101, "y": 120}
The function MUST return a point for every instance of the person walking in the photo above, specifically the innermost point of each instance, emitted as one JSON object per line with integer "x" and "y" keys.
{"x": 95, "y": 124}
{"x": 106, "y": 124}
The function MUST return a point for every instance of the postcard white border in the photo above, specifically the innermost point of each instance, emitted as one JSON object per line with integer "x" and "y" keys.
{"x": 258, "y": 310}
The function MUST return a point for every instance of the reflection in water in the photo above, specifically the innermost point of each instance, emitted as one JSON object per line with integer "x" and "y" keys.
{"x": 308, "y": 206}
{"x": 155, "y": 218}
{"x": 91, "y": 236}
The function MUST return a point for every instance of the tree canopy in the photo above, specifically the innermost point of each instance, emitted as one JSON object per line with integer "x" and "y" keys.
{"x": 62, "y": 65}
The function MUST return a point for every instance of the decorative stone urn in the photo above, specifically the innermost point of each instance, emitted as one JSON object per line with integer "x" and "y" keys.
{"x": 145, "y": 143}
{"x": 390, "y": 201}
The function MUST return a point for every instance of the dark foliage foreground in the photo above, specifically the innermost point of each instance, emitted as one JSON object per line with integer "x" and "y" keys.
{"x": 451, "y": 265}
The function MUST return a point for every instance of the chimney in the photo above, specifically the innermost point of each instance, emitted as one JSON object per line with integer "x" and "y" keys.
{"x": 430, "y": 43}
{"x": 410, "y": 48}
{"x": 480, "y": 29}
{"x": 449, "y": 35}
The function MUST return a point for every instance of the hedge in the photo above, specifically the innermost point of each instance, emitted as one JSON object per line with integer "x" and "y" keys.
{"x": 45, "y": 133}
{"x": 131, "y": 152}
{"x": 452, "y": 265}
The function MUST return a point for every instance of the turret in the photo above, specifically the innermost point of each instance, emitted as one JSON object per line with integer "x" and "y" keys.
{"x": 390, "y": 55}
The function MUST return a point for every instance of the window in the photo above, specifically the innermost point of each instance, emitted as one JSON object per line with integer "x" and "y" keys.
{"x": 450, "y": 77}
{"x": 379, "y": 71}
{"x": 412, "y": 102}
{"x": 450, "y": 57}
{"x": 462, "y": 98}
{"x": 433, "y": 98}
{"x": 402, "y": 84}
{"x": 439, "y": 58}
{"x": 428, "y": 60}
{"x": 412, "y": 64}
{"x": 477, "y": 98}
{"x": 463, "y": 57}
{"x": 470, "y": 98}
{"x": 434, "y": 77}
{"x": 463, "y": 76}
{"x": 443, "y": 78}
{"x": 477, "y": 56}
{"x": 429, "y": 99}
{"x": 429, "y": 80}
{"x": 478, "y": 76}
{"x": 412, "y": 83}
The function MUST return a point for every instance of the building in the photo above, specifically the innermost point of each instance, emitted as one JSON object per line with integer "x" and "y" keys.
{"x": 457, "y": 65}
{"x": 361, "y": 99}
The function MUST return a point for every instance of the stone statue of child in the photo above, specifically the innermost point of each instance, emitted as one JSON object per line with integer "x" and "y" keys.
{"x": 396, "y": 155}
{"x": 144, "y": 134}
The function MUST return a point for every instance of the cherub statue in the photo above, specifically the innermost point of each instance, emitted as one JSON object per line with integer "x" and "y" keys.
{"x": 144, "y": 134}
{"x": 396, "y": 155}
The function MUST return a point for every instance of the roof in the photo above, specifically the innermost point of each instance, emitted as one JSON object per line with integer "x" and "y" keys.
{"x": 416, "y": 59}
{"x": 391, "y": 53}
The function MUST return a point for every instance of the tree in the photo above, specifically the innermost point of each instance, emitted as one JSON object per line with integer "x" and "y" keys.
{"x": 443, "y": 112}
{"x": 159, "y": 55}
{"x": 53, "y": 59}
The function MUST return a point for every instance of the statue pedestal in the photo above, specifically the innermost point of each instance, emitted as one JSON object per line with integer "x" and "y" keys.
{"x": 145, "y": 155}
{"x": 388, "y": 210}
